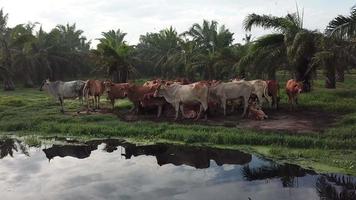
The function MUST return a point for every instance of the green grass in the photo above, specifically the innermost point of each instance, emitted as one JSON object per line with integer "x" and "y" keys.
{"x": 31, "y": 112}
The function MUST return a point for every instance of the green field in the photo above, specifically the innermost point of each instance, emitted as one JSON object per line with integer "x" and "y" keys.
{"x": 32, "y": 113}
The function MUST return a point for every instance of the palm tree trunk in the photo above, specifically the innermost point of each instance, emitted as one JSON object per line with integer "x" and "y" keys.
{"x": 9, "y": 84}
{"x": 28, "y": 81}
{"x": 340, "y": 75}
{"x": 330, "y": 80}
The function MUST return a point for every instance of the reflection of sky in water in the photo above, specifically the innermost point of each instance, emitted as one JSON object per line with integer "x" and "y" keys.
{"x": 110, "y": 176}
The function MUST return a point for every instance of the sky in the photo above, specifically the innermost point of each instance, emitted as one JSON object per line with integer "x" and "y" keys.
{"x": 137, "y": 17}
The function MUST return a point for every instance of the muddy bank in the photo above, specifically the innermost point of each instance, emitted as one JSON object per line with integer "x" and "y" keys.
{"x": 282, "y": 120}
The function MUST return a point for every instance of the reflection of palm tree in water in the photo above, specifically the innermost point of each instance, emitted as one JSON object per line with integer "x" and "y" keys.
{"x": 8, "y": 146}
{"x": 287, "y": 173}
{"x": 334, "y": 187}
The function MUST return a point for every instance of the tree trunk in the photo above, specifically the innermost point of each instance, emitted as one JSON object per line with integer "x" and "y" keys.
{"x": 8, "y": 84}
{"x": 340, "y": 75}
{"x": 272, "y": 75}
{"x": 124, "y": 76}
{"x": 330, "y": 80}
{"x": 28, "y": 82}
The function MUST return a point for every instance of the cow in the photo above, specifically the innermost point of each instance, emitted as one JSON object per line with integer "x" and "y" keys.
{"x": 150, "y": 101}
{"x": 260, "y": 89}
{"x": 293, "y": 89}
{"x": 136, "y": 94}
{"x": 94, "y": 88}
{"x": 115, "y": 91}
{"x": 178, "y": 95}
{"x": 273, "y": 92}
{"x": 224, "y": 92}
{"x": 64, "y": 90}
{"x": 255, "y": 112}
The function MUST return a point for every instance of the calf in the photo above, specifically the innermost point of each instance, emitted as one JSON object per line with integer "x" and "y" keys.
{"x": 293, "y": 89}
{"x": 178, "y": 95}
{"x": 255, "y": 112}
{"x": 273, "y": 92}
{"x": 63, "y": 90}
{"x": 94, "y": 88}
{"x": 115, "y": 91}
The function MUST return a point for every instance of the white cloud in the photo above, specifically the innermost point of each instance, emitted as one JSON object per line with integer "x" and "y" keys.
{"x": 136, "y": 17}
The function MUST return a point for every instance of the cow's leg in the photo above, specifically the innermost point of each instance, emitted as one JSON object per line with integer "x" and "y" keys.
{"x": 296, "y": 100}
{"x": 290, "y": 102}
{"x": 204, "y": 107}
{"x": 260, "y": 99}
{"x": 177, "y": 107}
{"x": 245, "y": 105}
{"x": 61, "y": 103}
{"x": 112, "y": 103}
{"x": 159, "y": 111}
{"x": 223, "y": 104}
{"x": 98, "y": 102}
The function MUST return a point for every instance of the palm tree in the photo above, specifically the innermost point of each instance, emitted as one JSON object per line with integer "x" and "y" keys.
{"x": 299, "y": 43}
{"x": 115, "y": 55}
{"x": 211, "y": 43}
{"x": 13, "y": 42}
{"x": 162, "y": 49}
{"x": 343, "y": 28}
{"x": 264, "y": 56}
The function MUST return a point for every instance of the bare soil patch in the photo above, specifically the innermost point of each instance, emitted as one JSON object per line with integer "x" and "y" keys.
{"x": 282, "y": 120}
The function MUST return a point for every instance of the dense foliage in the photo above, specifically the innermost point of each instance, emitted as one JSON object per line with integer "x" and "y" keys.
{"x": 28, "y": 54}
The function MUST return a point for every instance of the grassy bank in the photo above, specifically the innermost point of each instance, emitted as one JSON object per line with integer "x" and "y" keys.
{"x": 29, "y": 112}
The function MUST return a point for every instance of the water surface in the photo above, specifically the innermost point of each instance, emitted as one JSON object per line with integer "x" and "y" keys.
{"x": 115, "y": 169}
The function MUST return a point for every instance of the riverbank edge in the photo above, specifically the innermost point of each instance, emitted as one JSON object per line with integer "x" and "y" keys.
{"x": 278, "y": 154}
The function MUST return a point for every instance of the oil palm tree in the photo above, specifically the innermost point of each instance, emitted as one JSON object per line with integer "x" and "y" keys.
{"x": 343, "y": 28}
{"x": 298, "y": 42}
{"x": 115, "y": 55}
{"x": 212, "y": 42}
{"x": 263, "y": 57}
{"x": 162, "y": 49}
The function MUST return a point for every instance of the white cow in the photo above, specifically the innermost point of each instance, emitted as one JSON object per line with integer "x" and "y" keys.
{"x": 231, "y": 91}
{"x": 178, "y": 95}
{"x": 60, "y": 90}
{"x": 260, "y": 89}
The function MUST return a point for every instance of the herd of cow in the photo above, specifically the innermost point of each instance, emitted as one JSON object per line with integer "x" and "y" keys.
{"x": 191, "y": 99}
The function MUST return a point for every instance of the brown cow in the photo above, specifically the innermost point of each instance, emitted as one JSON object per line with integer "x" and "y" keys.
{"x": 94, "y": 88}
{"x": 293, "y": 88}
{"x": 150, "y": 101}
{"x": 136, "y": 94}
{"x": 273, "y": 91}
{"x": 115, "y": 91}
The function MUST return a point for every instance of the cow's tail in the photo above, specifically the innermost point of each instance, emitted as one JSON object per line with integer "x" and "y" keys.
{"x": 265, "y": 93}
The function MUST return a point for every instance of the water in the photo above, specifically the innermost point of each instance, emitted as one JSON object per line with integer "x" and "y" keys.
{"x": 114, "y": 169}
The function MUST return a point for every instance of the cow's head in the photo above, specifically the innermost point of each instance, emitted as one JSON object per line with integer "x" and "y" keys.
{"x": 298, "y": 87}
{"x": 161, "y": 90}
{"x": 44, "y": 85}
{"x": 108, "y": 84}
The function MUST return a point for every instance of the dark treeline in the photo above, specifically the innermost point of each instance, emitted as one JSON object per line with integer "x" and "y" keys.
{"x": 28, "y": 54}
